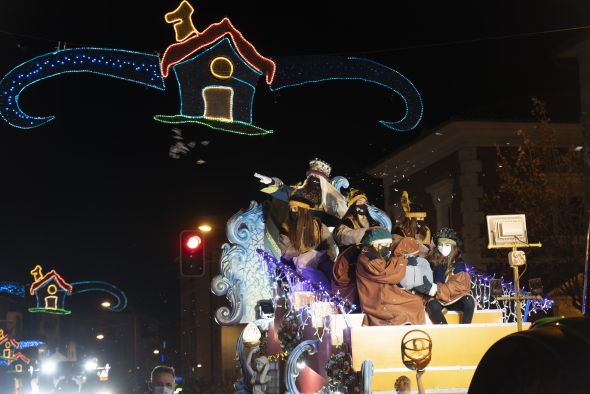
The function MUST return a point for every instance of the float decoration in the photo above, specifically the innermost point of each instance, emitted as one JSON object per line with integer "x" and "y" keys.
{"x": 217, "y": 71}
{"x": 51, "y": 290}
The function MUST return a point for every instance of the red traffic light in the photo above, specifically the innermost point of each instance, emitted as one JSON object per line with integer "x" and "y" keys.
{"x": 191, "y": 241}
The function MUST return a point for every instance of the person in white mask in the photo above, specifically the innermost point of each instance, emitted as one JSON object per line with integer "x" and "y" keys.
{"x": 451, "y": 287}
{"x": 163, "y": 380}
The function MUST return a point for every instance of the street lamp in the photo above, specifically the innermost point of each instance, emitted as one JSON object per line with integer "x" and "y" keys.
{"x": 205, "y": 228}
{"x": 156, "y": 351}
{"x": 106, "y": 305}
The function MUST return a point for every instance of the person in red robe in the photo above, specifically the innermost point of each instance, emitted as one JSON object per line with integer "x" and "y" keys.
{"x": 378, "y": 273}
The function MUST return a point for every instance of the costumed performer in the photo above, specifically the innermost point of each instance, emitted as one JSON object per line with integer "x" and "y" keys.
{"x": 378, "y": 274}
{"x": 451, "y": 288}
{"x": 305, "y": 240}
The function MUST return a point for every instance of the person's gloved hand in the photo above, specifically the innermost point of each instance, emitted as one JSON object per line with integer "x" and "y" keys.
{"x": 426, "y": 287}
{"x": 412, "y": 261}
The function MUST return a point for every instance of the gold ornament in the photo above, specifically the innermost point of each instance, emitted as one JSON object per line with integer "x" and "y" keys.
{"x": 416, "y": 350}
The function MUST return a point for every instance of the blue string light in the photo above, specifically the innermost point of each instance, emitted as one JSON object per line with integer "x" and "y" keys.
{"x": 138, "y": 67}
{"x": 297, "y": 71}
{"x": 12, "y": 288}
{"x": 25, "y": 344}
{"x": 105, "y": 287}
{"x": 294, "y": 277}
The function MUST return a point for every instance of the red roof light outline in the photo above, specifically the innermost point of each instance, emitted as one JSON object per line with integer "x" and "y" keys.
{"x": 178, "y": 52}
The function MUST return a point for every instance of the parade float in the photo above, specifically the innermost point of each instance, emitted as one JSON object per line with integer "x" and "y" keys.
{"x": 305, "y": 337}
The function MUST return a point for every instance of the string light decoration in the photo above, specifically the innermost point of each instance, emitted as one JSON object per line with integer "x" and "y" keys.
{"x": 280, "y": 272}
{"x": 181, "y": 18}
{"x": 50, "y": 291}
{"x": 197, "y": 74}
{"x": 482, "y": 292}
{"x": 314, "y": 69}
{"x": 12, "y": 288}
{"x": 178, "y": 52}
{"x": 218, "y": 103}
{"x": 103, "y": 287}
{"x": 218, "y": 55}
{"x": 221, "y": 68}
{"x": 29, "y": 343}
{"x": 130, "y": 66}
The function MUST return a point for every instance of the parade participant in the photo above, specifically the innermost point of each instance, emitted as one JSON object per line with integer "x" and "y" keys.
{"x": 162, "y": 380}
{"x": 305, "y": 240}
{"x": 452, "y": 283}
{"x": 356, "y": 221}
{"x": 378, "y": 273}
{"x": 344, "y": 276}
{"x": 403, "y": 385}
{"x": 331, "y": 202}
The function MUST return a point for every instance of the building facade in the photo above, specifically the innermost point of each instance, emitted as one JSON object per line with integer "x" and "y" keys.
{"x": 450, "y": 171}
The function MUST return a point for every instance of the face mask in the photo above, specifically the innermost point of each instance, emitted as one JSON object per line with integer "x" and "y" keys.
{"x": 445, "y": 250}
{"x": 163, "y": 390}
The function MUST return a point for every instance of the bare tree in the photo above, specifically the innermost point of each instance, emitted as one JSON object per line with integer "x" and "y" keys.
{"x": 546, "y": 182}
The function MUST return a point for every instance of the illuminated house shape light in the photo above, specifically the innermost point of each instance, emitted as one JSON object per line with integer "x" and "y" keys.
{"x": 18, "y": 362}
{"x": 217, "y": 71}
{"x": 50, "y": 291}
{"x": 9, "y": 347}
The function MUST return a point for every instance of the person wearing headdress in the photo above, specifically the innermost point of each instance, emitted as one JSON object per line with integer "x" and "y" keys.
{"x": 356, "y": 220}
{"x": 304, "y": 239}
{"x": 413, "y": 224}
{"x": 378, "y": 274}
{"x": 331, "y": 202}
{"x": 451, "y": 287}
{"x": 348, "y": 235}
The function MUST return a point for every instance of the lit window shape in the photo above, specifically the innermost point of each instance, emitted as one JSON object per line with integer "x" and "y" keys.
{"x": 181, "y": 17}
{"x": 51, "y": 302}
{"x": 218, "y": 103}
{"x": 18, "y": 368}
{"x": 221, "y": 68}
{"x": 51, "y": 299}
{"x": 7, "y": 353}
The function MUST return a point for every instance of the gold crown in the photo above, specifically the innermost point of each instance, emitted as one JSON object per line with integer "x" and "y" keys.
{"x": 320, "y": 166}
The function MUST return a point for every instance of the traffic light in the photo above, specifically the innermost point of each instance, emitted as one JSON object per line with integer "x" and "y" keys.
{"x": 192, "y": 253}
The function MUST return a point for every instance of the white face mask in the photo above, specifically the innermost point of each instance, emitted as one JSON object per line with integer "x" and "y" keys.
{"x": 163, "y": 390}
{"x": 445, "y": 249}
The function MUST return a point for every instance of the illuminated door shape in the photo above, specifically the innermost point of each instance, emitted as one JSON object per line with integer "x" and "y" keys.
{"x": 219, "y": 103}
{"x": 18, "y": 368}
{"x": 51, "y": 302}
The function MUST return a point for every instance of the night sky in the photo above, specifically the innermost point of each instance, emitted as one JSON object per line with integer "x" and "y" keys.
{"x": 95, "y": 193}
